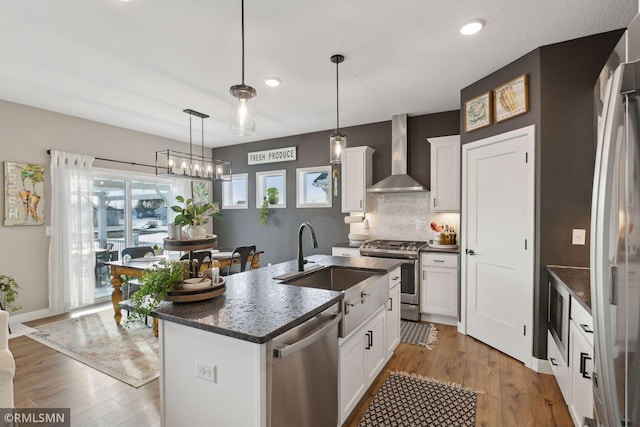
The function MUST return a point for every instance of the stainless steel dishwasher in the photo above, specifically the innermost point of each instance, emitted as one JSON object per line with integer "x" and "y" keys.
{"x": 302, "y": 374}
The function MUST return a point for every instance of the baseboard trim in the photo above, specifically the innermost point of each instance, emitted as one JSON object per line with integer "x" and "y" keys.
{"x": 541, "y": 366}
{"x": 32, "y": 315}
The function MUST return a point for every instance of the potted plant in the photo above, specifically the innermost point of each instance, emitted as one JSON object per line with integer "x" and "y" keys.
{"x": 8, "y": 293}
{"x": 272, "y": 195}
{"x": 270, "y": 199}
{"x": 195, "y": 215}
{"x": 157, "y": 249}
{"x": 156, "y": 283}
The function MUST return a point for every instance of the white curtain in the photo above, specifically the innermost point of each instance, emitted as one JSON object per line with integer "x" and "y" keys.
{"x": 71, "y": 251}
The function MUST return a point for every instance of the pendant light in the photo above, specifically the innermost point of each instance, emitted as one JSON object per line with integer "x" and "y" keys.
{"x": 242, "y": 120}
{"x": 337, "y": 141}
{"x": 189, "y": 165}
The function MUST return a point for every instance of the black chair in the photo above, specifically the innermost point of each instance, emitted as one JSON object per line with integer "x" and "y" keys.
{"x": 246, "y": 256}
{"x": 134, "y": 252}
{"x": 198, "y": 259}
{"x": 137, "y": 251}
{"x": 102, "y": 268}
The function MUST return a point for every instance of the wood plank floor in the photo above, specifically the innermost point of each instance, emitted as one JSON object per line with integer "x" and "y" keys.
{"x": 514, "y": 395}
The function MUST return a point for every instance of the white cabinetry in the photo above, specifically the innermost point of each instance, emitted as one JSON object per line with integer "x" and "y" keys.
{"x": 342, "y": 251}
{"x": 559, "y": 367}
{"x": 393, "y": 312}
{"x": 580, "y": 363}
{"x": 363, "y": 353}
{"x": 445, "y": 173}
{"x": 357, "y": 173}
{"x": 439, "y": 284}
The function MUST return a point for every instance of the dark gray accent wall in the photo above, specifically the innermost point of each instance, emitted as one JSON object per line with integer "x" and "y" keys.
{"x": 279, "y": 238}
{"x": 561, "y": 80}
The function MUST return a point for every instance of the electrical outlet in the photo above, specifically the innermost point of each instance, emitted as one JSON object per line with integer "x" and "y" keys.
{"x": 206, "y": 371}
{"x": 579, "y": 236}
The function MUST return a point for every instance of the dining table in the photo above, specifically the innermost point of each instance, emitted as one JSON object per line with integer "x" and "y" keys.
{"x": 221, "y": 258}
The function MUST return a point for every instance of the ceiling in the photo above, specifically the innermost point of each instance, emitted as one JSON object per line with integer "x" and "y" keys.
{"x": 138, "y": 64}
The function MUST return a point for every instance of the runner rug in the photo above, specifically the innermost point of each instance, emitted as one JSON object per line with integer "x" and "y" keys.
{"x": 418, "y": 333}
{"x": 411, "y": 400}
{"x": 129, "y": 354}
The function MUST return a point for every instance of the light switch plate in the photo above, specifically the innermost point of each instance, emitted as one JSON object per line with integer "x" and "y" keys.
{"x": 579, "y": 236}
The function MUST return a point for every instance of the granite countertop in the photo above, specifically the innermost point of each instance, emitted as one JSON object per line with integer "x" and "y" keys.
{"x": 577, "y": 280}
{"x": 257, "y": 308}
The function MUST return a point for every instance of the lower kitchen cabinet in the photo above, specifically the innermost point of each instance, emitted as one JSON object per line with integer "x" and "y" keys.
{"x": 580, "y": 364}
{"x": 393, "y": 312}
{"x": 439, "y": 284}
{"x": 362, "y": 355}
{"x": 559, "y": 367}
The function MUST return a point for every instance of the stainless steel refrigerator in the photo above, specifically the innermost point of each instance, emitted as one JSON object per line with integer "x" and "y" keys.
{"x": 615, "y": 237}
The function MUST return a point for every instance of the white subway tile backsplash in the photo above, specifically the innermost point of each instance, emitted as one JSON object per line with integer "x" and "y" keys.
{"x": 405, "y": 216}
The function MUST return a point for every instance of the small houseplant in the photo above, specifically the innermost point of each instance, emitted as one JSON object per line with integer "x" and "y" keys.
{"x": 157, "y": 249}
{"x": 8, "y": 293}
{"x": 270, "y": 199}
{"x": 195, "y": 215}
{"x": 156, "y": 282}
{"x": 272, "y": 195}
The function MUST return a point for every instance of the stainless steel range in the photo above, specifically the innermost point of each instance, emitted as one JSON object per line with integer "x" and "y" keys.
{"x": 410, "y": 286}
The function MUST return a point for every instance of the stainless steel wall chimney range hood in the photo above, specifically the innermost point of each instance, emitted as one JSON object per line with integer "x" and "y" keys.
{"x": 398, "y": 181}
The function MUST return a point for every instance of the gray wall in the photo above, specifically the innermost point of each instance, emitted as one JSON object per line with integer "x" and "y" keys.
{"x": 561, "y": 80}
{"x": 279, "y": 239}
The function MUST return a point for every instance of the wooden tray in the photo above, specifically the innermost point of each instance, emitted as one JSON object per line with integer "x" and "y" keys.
{"x": 183, "y": 295}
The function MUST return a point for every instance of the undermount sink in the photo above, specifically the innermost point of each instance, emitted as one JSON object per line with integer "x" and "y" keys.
{"x": 332, "y": 278}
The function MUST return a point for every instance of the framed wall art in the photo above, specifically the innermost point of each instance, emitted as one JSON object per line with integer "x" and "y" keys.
{"x": 477, "y": 112}
{"x": 23, "y": 194}
{"x": 511, "y": 99}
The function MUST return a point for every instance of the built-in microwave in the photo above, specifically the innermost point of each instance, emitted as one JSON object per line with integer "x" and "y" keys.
{"x": 558, "y": 316}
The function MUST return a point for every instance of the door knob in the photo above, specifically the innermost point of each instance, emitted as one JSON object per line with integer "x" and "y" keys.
{"x": 470, "y": 252}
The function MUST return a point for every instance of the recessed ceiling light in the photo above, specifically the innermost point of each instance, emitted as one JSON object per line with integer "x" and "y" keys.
{"x": 472, "y": 27}
{"x": 272, "y": 81}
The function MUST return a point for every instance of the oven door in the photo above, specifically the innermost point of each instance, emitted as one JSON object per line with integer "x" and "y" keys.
{"x": 409, "y": 287}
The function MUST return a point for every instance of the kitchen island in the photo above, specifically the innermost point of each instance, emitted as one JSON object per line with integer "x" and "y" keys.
{"x": 214, "y": 355}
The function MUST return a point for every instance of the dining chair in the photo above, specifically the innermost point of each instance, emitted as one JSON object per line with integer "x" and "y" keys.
{"x": 137, "y": 251}
{"x": 102, "y": 269}
{"x": 132, "y": 285}
{"x": 246, "y": 254}
{"x": 201, "y": 258}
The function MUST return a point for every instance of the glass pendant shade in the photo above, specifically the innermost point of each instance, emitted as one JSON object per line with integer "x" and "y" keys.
{"x": 242, "y": 119}
{"x": 338, "y": 143}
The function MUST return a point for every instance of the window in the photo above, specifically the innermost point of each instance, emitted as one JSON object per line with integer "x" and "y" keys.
{"x": 235, "y": 191}
{"x": 271, "y": 179}
{"x": 313, "y": 187}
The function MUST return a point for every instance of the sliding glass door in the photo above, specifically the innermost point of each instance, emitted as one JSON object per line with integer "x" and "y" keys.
{"x": 131, "y": 211}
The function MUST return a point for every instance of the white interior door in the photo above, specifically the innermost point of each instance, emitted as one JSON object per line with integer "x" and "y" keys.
{"x": 497, "y": 246}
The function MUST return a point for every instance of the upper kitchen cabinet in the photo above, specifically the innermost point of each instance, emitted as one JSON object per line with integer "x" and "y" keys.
{"x": 445, "y": 173}
{"x": 357, "y": 172}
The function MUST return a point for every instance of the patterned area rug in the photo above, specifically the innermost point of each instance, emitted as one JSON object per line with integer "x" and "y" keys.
{"x": 411, "y": 400}
{"x": 418, "y": 333}
{"x": 129, "y": 354}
